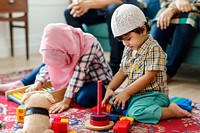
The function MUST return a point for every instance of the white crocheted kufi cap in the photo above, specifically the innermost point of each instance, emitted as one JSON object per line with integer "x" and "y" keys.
{"x": 126, "y": 18}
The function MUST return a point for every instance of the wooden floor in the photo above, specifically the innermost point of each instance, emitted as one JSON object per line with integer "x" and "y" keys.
{"x": 185, "y": 84}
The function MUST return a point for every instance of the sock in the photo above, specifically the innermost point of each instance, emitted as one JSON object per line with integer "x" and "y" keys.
{"x": 10, "y": 86}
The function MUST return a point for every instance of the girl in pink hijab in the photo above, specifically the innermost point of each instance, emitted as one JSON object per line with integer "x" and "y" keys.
{"x": 74, "y": 61}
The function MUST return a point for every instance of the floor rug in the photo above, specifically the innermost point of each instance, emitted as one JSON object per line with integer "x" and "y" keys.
{"x": 77, "y": 116}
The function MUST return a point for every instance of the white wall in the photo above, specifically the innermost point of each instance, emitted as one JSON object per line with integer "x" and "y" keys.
{"x": 41, "y": 13}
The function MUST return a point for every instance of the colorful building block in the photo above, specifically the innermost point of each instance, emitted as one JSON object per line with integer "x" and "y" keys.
{"x": 183, "y": 103}
{"x": 1, "y": 124}
{"x": 59, "y": 125}
{"x": 122, "y": 126}
{"x": 20, "y": 112}
{"x": 113, "y": 117}
{"x": 131, "y": 119}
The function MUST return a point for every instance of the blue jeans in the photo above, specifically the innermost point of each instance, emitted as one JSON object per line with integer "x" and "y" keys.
{"x": 87, "y": 95}
{"x": 30, "y": 79}
{"x": 182, "y": 36}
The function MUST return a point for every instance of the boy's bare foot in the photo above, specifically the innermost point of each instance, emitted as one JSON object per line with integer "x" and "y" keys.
{"x": 10, "y": 86}
{"x": 179, "y": 112}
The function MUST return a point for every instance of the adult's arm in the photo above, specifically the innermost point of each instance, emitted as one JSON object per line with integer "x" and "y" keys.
{"x": 80, "y": 8}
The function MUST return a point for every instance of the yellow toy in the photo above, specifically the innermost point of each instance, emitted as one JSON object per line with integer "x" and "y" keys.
{"x": 20, "y": 112}
{"x": 128, "y": 118}
{"x": 17, "y": 94}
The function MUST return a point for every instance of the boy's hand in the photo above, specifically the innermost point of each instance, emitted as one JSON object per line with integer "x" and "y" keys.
{"x": 108, "y": 95}
{"x": 35, "y": 87}
{"x": 60, "y": 106}
{"x": 120, "y": 99}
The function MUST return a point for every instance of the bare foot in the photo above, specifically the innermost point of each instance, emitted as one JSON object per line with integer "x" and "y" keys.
{"x": 179, "y": 112}
{"x": 10, "y": 86}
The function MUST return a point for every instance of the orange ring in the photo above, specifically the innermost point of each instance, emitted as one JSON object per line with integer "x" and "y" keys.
{"x": 108, "y": 108}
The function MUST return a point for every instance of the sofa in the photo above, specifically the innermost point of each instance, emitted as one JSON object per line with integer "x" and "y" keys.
{"x": 101, "y": 33}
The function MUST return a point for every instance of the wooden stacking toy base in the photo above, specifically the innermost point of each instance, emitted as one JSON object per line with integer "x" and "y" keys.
{"x": 98, "y": 128}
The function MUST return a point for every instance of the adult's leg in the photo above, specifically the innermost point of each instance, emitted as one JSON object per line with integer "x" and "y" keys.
{"x": 30, "y": 79}
{"x": 89, "y": 18}
{"x": 87, "y": 95}
{"x": 162, "y": 36}
{"x": 117, "y": 47}
{"x": 182, "y": 39}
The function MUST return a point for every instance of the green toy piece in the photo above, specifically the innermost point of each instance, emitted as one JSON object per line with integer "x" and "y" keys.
{"x": 1, "y": 124}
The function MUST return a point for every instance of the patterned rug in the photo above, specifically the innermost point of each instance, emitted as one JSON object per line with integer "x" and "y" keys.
{"x": 77, "y": 116}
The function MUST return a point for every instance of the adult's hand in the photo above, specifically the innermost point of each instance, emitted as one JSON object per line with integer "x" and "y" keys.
{"x": 165, "y": 18}
{"x": 79, "y": 9}
{"x": 183, "y": 5}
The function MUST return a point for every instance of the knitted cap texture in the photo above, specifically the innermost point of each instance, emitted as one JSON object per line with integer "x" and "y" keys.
{"x": 126, "y": 18}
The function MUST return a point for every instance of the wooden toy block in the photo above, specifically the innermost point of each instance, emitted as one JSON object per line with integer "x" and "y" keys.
{"x": 122, "y": 126}
{"x": 20, "y": 112}
{"x": 60, "y": 125}
{"x": 131, "y": 119}
{"x": 183, "y": 103}
{"x": 1, "y": 124}
{"x": 113, "y": 117}
{"x": 58, "y": 95}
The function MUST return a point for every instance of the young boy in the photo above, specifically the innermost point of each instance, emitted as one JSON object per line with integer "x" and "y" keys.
{"x": 144, "y": 65}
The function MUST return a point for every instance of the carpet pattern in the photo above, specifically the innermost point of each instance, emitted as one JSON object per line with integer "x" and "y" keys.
{"x": 77, "y": 116}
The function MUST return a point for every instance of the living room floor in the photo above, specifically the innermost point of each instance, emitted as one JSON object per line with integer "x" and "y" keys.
{"x": 185, "y": 84}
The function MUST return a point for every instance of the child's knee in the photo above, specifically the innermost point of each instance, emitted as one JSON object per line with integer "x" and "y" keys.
{"x": 146, "y": 115}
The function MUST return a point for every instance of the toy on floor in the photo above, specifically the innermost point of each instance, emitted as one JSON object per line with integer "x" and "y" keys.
{"x": 122, "y": 126}
{"x": 59, "y": 125}
{"x": 131, "y": 119}
{"x": 99, "y": 120}
{"x": 17, "y": 94}
{"x": 184, "y": 103}
{"x": 1, "y": 124}
{"x": 111, "y": 109}
{"x": 36, "y": 118}
{"x": 20, "y": 113}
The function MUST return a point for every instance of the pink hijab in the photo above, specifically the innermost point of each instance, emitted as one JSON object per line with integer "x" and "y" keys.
{"x": 61, "y": 48}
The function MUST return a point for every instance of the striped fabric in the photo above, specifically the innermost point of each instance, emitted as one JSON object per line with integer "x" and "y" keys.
{"x": 183, "y": 18}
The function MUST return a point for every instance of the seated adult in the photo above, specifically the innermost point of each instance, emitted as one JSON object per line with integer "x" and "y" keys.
{"x": 175, "y": 23}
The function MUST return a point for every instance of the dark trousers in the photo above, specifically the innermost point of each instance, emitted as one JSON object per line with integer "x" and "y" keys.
{"x": 30, "y": 79}
{"x": 181, "y": 37}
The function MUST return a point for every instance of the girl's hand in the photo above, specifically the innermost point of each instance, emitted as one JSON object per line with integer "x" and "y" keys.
{"x": 183, "y": 5}
{"x": 79, "y": 9}
{"x": 108, "y": 95}
{"x": 60, "y": 106}
{"x": 35, "y": 87}
{"x": 120, "y": 99}
{"x": 165, "y": 18}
